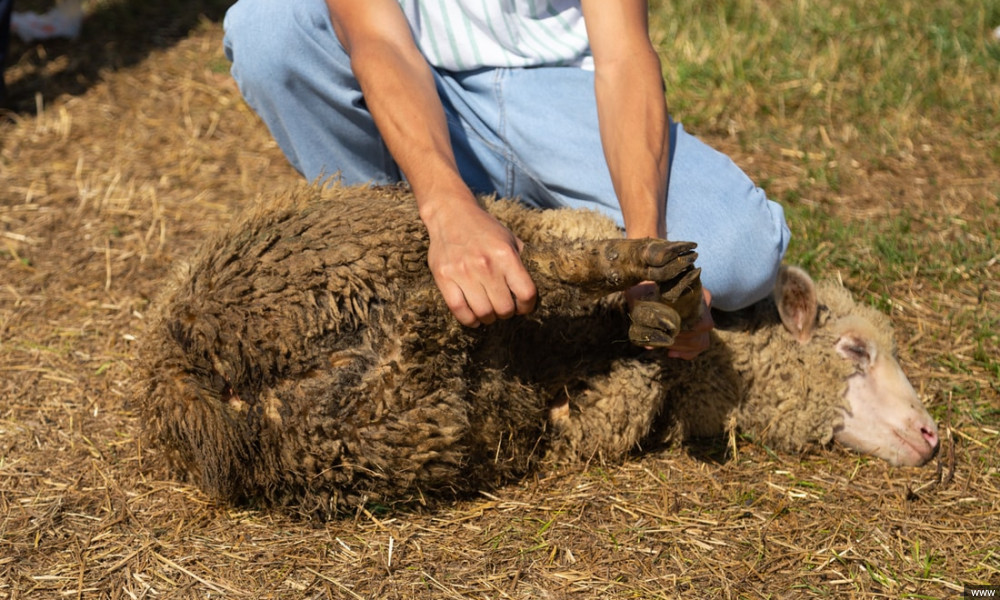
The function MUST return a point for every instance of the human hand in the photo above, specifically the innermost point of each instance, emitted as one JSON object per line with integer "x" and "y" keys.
{"x": 477, "y": 266}
{"x": 688, "y": 343}
{"x": 692, "y": 342}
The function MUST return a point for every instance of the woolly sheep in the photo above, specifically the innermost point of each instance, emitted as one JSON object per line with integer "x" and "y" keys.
{"x": 304, "y": 357}
{"x": 804, "y": 367}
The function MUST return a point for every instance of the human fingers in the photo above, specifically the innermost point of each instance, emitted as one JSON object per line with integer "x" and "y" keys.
{"x": 646, "y": 290}
{"x": 484, "y": 283}
{"x": 490, "y": 301}
{"x": 496, "y": 299}
{"x": 689, "y": 344}
{"x": 479, "y": 263}
{"x": 519, "y": 282}
{"x": 522, "y": 289}
{"x": 479, "y": 301}
{"x": 499, "y": 285}
{"x": 463, "y": 276}
{"x": 456, "y": 301}
{"x": 705, "y": 322}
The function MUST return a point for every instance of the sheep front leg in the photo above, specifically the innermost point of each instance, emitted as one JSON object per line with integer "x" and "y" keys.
{"x": 605, "y": 266}
{"x": 657, "y": 319}
{"x": 596, "y": 268}
{"x": 610, "y": 418}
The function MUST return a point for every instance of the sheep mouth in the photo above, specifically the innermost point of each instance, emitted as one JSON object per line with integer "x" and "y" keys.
{"x": 920, "y": 449}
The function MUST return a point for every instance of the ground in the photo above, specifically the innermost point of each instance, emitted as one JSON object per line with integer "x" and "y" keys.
{"x": 128, "y": 147}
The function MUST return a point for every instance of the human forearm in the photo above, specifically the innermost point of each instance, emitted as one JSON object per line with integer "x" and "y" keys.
{"x": 635, "y": 134}
{"x": 401, "y": 95}
{"x": 632, "y": 114}
{"x": 474, "y": 259}
{"x": 402, "y": 98}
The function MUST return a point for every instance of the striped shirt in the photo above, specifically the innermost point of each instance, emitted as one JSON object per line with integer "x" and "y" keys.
{"x": 460, "y": 35}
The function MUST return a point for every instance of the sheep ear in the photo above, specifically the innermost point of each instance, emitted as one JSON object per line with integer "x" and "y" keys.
{"x": 858, "y": 350}
{"x": 795, "y": 295}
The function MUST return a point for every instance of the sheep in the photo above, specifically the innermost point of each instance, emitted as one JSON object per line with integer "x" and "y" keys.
{"x": 305, "y": 358}
{"x": 801, "y": 368}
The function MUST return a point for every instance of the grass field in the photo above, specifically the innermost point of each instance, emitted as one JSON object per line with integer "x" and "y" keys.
{"x": 877, "y": 125}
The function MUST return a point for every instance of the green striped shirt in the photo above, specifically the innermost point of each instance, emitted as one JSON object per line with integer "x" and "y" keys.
{"x": 460, "y": 35}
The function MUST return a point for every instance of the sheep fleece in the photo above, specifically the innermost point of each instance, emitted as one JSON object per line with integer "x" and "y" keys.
{"x": 304, "y": 357}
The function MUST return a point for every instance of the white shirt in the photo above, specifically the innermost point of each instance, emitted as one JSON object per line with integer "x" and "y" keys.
{"x": 460, "y": 35}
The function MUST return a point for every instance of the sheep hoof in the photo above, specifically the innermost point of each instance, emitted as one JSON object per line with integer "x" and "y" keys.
{"x": 662, "y": 260}
{"x": 658, "y": 253}
{"x": 684, "y": 295}
{"x": 654, "y": 324}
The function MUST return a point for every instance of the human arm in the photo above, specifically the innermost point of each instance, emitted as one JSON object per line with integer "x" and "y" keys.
{"x": 632, "y": 111}
{"x": 632, "y": 116}
{"x": 474, "y": 259}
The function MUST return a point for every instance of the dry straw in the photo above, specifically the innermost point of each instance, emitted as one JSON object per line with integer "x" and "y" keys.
{"x": 104, "y": 190}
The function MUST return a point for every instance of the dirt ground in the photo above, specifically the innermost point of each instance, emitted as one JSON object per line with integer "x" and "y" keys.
{"x": 117, "y": 163}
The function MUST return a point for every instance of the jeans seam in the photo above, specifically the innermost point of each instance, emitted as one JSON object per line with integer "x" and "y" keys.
{"x": 456, "y": 118}
{"x": 507, "y": 153}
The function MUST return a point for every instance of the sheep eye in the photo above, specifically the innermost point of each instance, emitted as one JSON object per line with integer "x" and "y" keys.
{"x": 854, "y": 350}
{"x": 857, "y": 351}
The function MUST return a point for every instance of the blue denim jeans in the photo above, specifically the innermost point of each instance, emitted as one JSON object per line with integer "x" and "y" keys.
{"x": 525, "y": 133}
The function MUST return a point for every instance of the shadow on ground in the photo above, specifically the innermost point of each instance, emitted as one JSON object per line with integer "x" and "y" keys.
{"x": 116, "y": 34}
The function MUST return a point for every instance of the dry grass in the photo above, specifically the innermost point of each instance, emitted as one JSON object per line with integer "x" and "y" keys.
{"x": 125, "y": 170}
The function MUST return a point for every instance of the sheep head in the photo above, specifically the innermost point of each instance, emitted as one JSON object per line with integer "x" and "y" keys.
{"x": 882, "y": 416}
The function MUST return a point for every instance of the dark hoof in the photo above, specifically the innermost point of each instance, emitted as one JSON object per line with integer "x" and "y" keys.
{"x": 654, "y": 324}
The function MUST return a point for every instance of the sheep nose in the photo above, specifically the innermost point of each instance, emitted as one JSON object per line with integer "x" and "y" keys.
{"x": 931, "y": 437}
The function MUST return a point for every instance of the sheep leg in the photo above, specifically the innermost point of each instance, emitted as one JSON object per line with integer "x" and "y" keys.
{"x": 609, "y": 419}
{"x": 596, "y": 268}
{"x": 654, "y": 325}
{"x": 609, "y": 265}
{"x": 658, "y": 318}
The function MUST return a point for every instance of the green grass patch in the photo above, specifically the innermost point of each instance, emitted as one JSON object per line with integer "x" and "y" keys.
{"x": 891, "y": 249}
{"x": 867, "y": 75}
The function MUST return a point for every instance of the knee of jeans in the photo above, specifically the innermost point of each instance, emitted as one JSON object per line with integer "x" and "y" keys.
{"x": 744, "y": 271}
{"x": 260, "y": 36}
